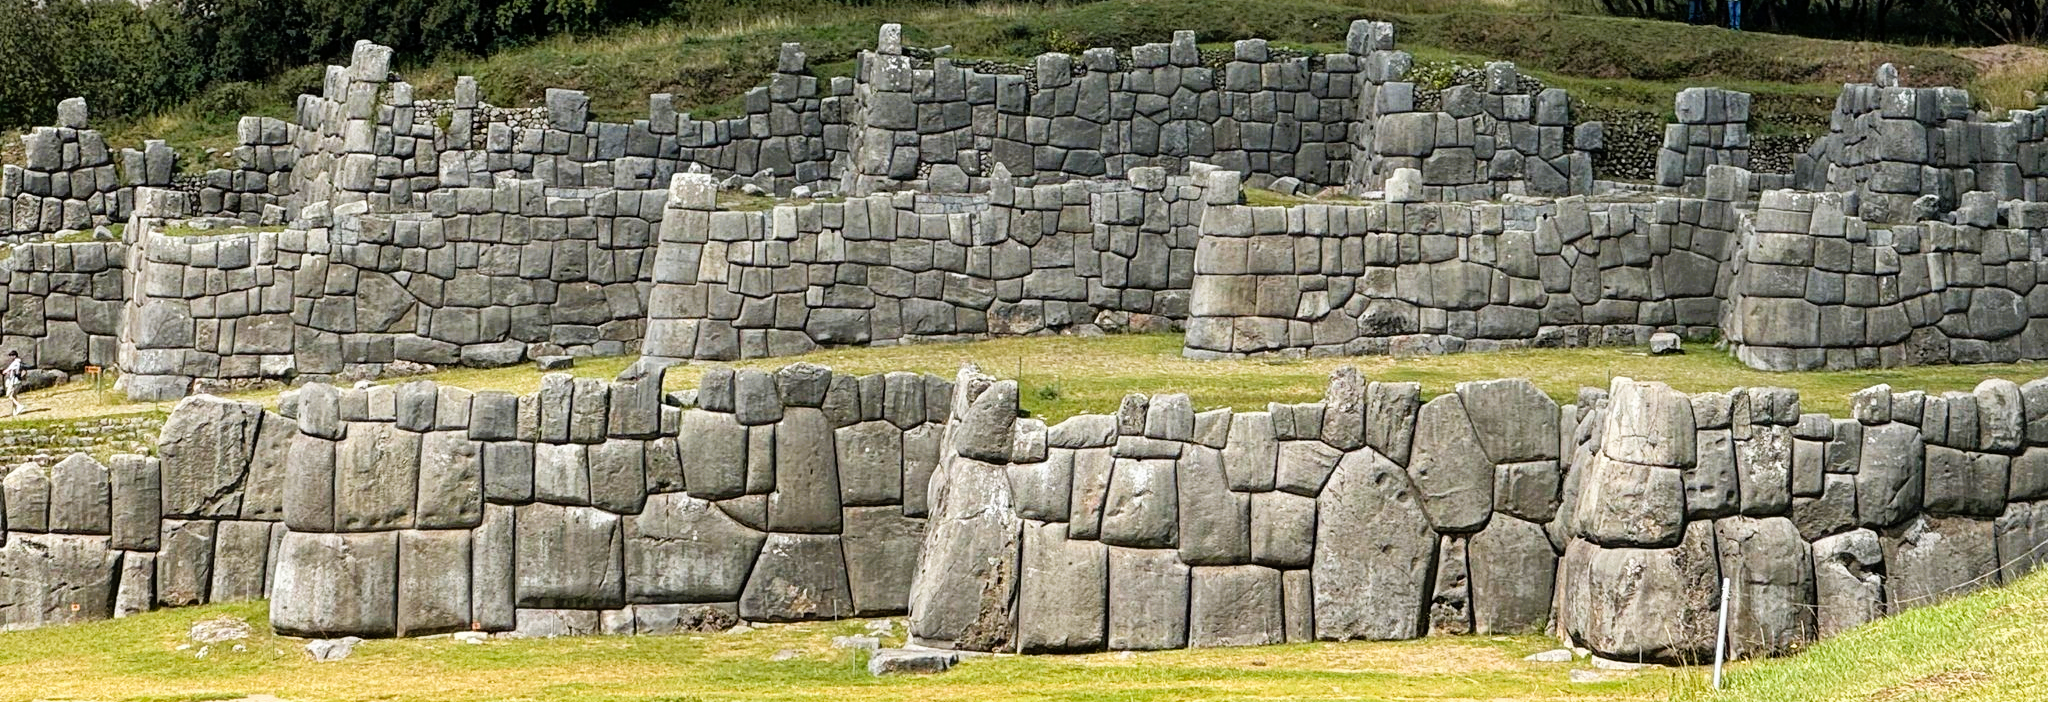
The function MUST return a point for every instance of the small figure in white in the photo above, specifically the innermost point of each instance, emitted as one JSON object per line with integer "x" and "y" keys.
{"x": 12, "y": 377}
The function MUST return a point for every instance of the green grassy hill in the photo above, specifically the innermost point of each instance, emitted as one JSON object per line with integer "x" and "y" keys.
{"x": 1617, "y": 67}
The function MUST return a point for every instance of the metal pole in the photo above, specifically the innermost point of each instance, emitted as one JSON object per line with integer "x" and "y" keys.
{"x": 1721, "y": 638}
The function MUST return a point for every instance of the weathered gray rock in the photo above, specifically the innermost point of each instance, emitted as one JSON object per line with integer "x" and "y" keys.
{"x": 881, "y": 556}
{"x": 1235, "y": 606}
{"x": 241, "y": 556}
{"x": 1142, "y": 507}
{"x": 1344, "y": 405}
{"x": 1649, "y": 605}
{"x": 309, "y": 484}
{"x": 48, "y": 579}
{"x": 1889, "y": 481}
{"x": 2001, "y": 418}
{"x": 27, "y": 500}
{"x": 1043, "y": 490}
{"x": 433, "y": 582}
{"x": 1374, "y": 548}
{"x": 900, "y": 661}
{"x": 1304, "y": 466}
{"x": 1062, "y": 595}
{"x": 451, "y": 481}
{"x": 1148, "y": 599}
{"x": 1250, "y": 453}
{"x": 2028, "y": 479}
{"x": 1625, "y": 504}
{"x": 1513, "y": 420}
{"x": 185, "y": 564}
{"x": 1283, "y": 530}
{"x": 982, "y": 431}
{"x": 336, "y": 585}
{"x": 618, "y": 475}
{"x": 135, "y": 502}
{"x": 870, "y": 463}
{"x": 797, "y": 577}
{"x": 1450, "y": 602}
{"x": 561, "y": 473}
{"x": 1848, "y": 579}
{"x": 715, "y": 462}
{"x": 1390, "y": 418}
{"x": 1648, "y": 423}
{"x": 806, "y": 497}
{"x": 80, "y": 500}
{"x": 569, "y": 557}
{"x": 1770, "y": 604}
{"x": 684, "y": 549}
{"x": 1833, "y": 512}
{"x": 205, "y": 447}
{"x": 1964, "y": 483}
{"x": 376, "y": 478}
{"x": 1451, "y": 474}
{"x": 1513, "y": 571}
{"x": 1930, "y": 559}
{"x": 137, "y": 590}
{"x": 1528, "y": 490}
{"x": 1712, "y": 488}
{"x": 964, "y": 593}
{"x": 508, "y": 471}
{"x": 1215, "y": 523}
{"x": 493, "y": 587}
{"x": 1764, "y": 461}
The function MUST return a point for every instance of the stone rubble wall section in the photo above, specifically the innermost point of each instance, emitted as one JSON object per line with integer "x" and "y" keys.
{"x": 1479, "y": 145}
{"x": 1490, "y": 509}
{"x": 1712, "y": 130}
{"x": 1819, "y": 287}
{"x": 1435, "y": 277}
{"x": 485, "y": 277}
{"x": 1891, "y": 145}
{"x": 899, "y": 267}
{"x": 62, "y": 303}
{"x": 198, "y": 523}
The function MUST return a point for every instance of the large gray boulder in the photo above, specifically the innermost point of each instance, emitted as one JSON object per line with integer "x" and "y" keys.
{"x": 1764, "y": 461}
{"x": 1622, "y": 504}
{"x": 1142, "y": 508}
{"x": 569, "y": 557}
{"x": 870, "y": 456}
{"x": 1848, "y": 581}
{"x": 1215, "y": 523}
{"x": 1636, "y": 604}
{"x": 684, "y": 549}
{"x": 1062, "y": 595}
{"x": 451, "y": 481}
{"x": 1648, "y": 423}
{"x": 1235, "y": 606}
{"x": 618, "y": 475}
{"x": 184, "y": 568}
{"x": 1148, "y": 599}
{"x": 1771, "y": 608}
{"x": 48, "y": 579}
{"x": 1451, "y": 472}
{"x": 1250, "y": 453}
{"x": 80, "y": 499}
{"x": 1967, "y": 483}
{"x": 1514, "y": 421}
{"x": 330, "y": 585}
{"x": 715, "y": 460}
{"x": 1374, "y": 549}
{"x": 798, "y": 577}
{"x": 433, "y": 582}
{"x": 136, "y": 502}
{"x": 1889, "y": 481}
{"x": 806, "y": 497}
{"x": 241, "y": 554}
{"x": 205, "y": 447}
{"x": 376, "y": 478}
{"x": 1712, "y": 488}
{"x": 1930, "y": 559}
{"x": 881, "y": 557}
{"x": 964, "y": 592}
{"x": 1513, "y": 572}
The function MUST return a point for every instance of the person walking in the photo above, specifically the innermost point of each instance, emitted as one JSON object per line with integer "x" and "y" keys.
{"x": 12, "y": 377}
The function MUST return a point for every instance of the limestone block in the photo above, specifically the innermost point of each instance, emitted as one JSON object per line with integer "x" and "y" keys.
{"x": 331, "y": 585}
{"x": 80, "y": 501}
{"x": 806, "y": 497}
{"x": 1148, "y": 599}
{"x": 376, "y": 478}
{"x": 204, "y": 448}
{"x": 967, "y": 576}
{"x": 714, "y": 454}
{"x": 451, "y": 481}
{"x": 1848, "y": 571}
{"x": 881, "y": 556}
{"x": 1235, "y": 606}
{"x": 48, "y": 579}
{"x": 1930, "y": 559}
{"x": 561, "y": 474}
{"x": 1633, "y": 604}
{"x": 136, "y": 503}
{"x": 1513, "y": 571}
{"x": 185, "y": 568}
{"x": 1142, "y": 506}
{"x": 433, "y": 582}
{"x": 241, "y": 557}
{"x": 1215, "y": 523}
{"x": 798, "y": 577}
{"x": 1062, "y": 592}
{"x": 1513, "y": 420}
{"x": 1622, "y": 504}
{"x": 1771, "y": 610}
{"x": 1373, "y": 555}
{"x": 870, "y": 457}
{"x": 568, "y": 556}
{"x": 1889, "y": 482}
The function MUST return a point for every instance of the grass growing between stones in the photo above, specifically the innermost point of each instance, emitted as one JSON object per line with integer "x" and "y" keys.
{"x": 1062, "y": 376}
{"x": 139, "y": 658}
{"x": 1992, "y": 645}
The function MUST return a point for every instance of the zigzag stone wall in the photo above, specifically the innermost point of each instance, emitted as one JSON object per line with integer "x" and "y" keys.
{"x": 895, "y": 268}
{"x": 1376, "y": 513}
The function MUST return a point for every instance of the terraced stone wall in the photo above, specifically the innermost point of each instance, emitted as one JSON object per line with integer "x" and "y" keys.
{"x": 1434, "y": 277}
{"x": 1819, "y": 287}
{"x": 63, "y": 303}
{"x": 1893, "y": 145}
{"x": 489, "y": 276}
{"x": 900, "y": 267}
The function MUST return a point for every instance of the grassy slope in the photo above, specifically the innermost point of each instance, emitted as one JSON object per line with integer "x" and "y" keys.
{"x": 1063, "y": 375}
{"x": 1612, "y": 63}
{"x": 1989, "y": 646}
{"x": 137, "y": 658}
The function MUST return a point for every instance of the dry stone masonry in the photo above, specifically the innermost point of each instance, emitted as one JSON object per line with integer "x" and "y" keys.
{"x": 1377, "y": 513}
{"x": 381, "y": 233}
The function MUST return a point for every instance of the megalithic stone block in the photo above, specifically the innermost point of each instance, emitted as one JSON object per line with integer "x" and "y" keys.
{"x": 332, "y": 585}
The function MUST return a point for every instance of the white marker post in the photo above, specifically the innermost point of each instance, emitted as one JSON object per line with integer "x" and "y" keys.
{"x": 1721, "y": 638}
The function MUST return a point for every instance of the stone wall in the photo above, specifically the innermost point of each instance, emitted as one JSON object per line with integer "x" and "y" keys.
{"x": 1818, "y": 287}
{"x": 1436, "y": 277}
{"x": 902, "y": 267}
{"x": 1376, "y": 515}
{"x": 1476, "y": 145}
{"x": 1891, "y": 145}
{"x": 63, "y": 303}
{"x": 196, "y": 524}
{"x": 488, "y": 276}
{"x": 1712, "y": 130}
{"x": 67, "y": 179}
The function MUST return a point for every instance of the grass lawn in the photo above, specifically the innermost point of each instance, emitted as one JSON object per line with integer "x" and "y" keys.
{"x": 1990, "y": 646}
{"x": 1061, "y": 376}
